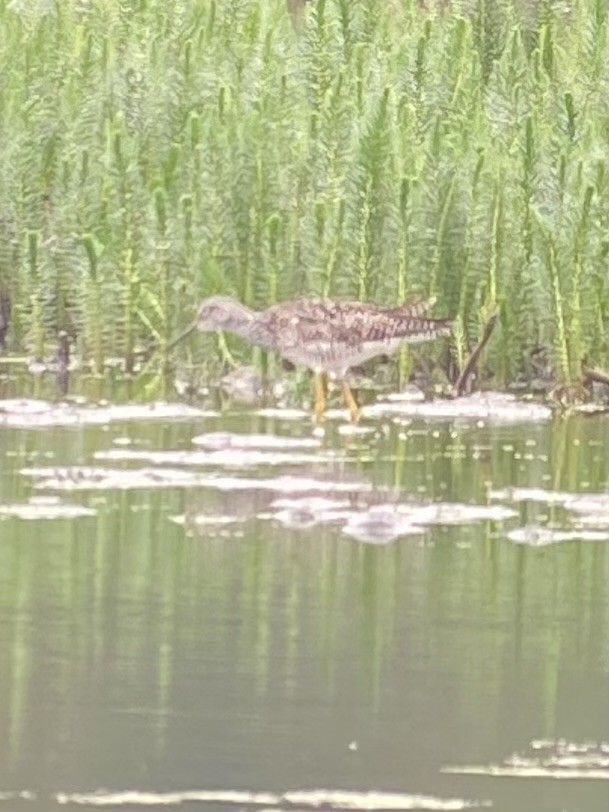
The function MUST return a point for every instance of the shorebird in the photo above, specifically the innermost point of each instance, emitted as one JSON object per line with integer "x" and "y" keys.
{"x": 327, "y": 336}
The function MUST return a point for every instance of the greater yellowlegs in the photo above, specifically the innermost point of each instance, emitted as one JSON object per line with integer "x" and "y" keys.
{"x": 327, "y": 336}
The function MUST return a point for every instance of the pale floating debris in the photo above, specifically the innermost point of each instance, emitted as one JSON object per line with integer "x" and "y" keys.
{"x": 24, "y": 406}
{"x": 315, "y": 504}
{"x": 301, "y": 519}
{"x": 205, "y": 520}
{"x": 546, "y": 758}
{"x": 345, "y": 799}
{"x": 33, "y": 414}
{"x": 374, "y": 533}
{"x": 20, "y": 795}
{"x": 295, "y": 518}
{"x": 498, "y": 771}
{"x": 222, "y": 440}
{"x": 385, "y": 522}
{"x": 454, "y": 513}
{"x": 588, "y": 503}
{"x": 537, "y": 536}
{"x": 531, "y": 495}
{"x": 91, "y": 478}
{"x": 592, "y": 520}
{"x": 179, "y": 520}
{"x": 121, "y": 441}
{"x": 289, "y": 484}
{"x": 353, "y": 430}
{"x": 443, "y": 513}
{"x": 591, "y": 508}
{"x": 84, "y": 478}
{"x": 337, "y": 414}
{"x": 589, "y": 408}
{"x": 175, "y": 798}
{"x": 585, "y": 748}
{"x": 306, "y": 799}
{"x": 378, "y": 526}
{"x": 493, "y": 407}
{"x": 229, "y": 458}
{"x": 44, "y": 508}
{"x": 301, "y": 513}
{"x": 411, "y": 394}
{"x": 283, "y": 414}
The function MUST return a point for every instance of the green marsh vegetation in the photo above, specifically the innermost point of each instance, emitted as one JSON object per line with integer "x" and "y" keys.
{"x": 154, "y": 153}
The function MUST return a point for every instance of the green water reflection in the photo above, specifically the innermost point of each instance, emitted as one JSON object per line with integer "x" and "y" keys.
{"x": 254, "y": 656}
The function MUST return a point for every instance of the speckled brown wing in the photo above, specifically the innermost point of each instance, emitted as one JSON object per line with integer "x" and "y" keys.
{"x": 355, "y": 323}
{"x": 297, "y": 323}
{"x": 401, "y": 323}
{"x": 324, "y": 322}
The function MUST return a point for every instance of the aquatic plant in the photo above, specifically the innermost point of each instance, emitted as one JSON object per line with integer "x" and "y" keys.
{"x": 154, "y": 154}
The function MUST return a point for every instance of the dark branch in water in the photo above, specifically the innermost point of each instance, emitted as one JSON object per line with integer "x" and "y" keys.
{"x": 594, "y": 375}
{"x": 468, "y": 370}
{"x": 5, "y": 317}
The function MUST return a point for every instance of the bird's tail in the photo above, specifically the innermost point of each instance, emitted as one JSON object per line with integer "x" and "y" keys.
{"x": 415, "y": 329}
{"x": 415, "y": 307}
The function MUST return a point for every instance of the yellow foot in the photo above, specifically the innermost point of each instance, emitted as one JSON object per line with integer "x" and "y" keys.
{"x": 355, "y": 414}
{"x": 354, "y": 410}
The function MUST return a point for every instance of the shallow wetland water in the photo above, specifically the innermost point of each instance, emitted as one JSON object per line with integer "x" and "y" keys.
{"x": 229, "y": 610}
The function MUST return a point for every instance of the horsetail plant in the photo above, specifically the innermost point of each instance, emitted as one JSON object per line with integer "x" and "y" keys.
{"x": 152, "y": 156}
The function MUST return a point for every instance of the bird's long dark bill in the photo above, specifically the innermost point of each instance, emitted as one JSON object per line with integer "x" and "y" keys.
{"x": 179, "y": 338}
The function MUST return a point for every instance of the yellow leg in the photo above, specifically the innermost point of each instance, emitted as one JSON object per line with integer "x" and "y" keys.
{"x": 321, "y": 395}
{"x": 352, "y": 404}
{"x": 225, "y": 353}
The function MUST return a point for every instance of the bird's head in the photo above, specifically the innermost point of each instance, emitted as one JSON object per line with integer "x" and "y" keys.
{"x": 221, "y": 313}
{"x": 217, "y": 313}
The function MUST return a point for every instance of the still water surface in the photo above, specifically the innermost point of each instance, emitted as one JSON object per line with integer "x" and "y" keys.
{"x": 234, "y": 633}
